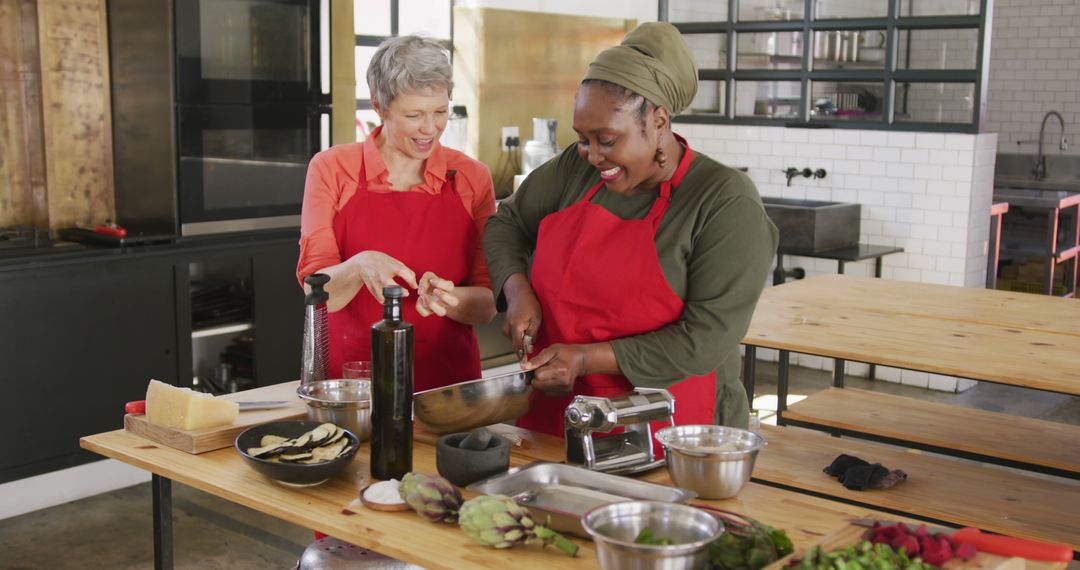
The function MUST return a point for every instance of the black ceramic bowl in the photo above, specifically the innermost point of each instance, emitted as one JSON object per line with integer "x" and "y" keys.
{"x": 464, "y": 467}
{"x": 292, "y": 473}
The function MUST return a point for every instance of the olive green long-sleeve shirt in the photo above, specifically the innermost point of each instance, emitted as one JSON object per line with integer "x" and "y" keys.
{"x": 715, "y": 245}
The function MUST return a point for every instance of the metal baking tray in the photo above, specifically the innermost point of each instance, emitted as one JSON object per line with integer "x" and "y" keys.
{"x": 561, "y": 494}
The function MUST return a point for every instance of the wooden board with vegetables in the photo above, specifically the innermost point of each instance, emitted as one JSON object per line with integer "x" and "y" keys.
{"x": 849, "y": 548}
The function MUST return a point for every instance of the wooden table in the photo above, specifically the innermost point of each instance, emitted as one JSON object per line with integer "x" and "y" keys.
{"x": 1018, "y": 339}
{"x": 222, "y": 473}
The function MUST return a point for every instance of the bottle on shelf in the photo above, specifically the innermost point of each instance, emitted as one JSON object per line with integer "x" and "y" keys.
{"x": 315, "y": 353}
{"x": 392, "y": 390}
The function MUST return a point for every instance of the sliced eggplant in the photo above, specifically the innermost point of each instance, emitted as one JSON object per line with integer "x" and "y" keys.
{"x": 302, "y": 441}
{"x": 324, "y": 443}
{"x": 320, "y": 434}
{"x": 268, "y": 450}
{"x": 294, "y": 457}
{"x": 338, "y": 434}
{"x": 328, "y": 452}
{"x": 270, "y": 439}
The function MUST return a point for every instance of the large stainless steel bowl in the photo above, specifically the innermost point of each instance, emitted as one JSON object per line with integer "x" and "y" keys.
{"x": 466, "y": 405}
{"x": 346, "y": 403}
{"x": 614, "y": 527}
{"x": 715, "y": 461}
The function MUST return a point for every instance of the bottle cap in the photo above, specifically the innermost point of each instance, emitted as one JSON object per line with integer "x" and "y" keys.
{"x": 393, "y": 292}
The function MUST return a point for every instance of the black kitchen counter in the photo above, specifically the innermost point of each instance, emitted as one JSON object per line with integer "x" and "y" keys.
{"x": 84, "y": 327}
{"x": 67, "y": 252}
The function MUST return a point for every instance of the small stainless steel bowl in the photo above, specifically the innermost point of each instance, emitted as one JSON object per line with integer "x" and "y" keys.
{"x": 614, "y": 527}
{"x": 346, "y": 403}
{"x": 715, "y": 461}
{"x": 467, "y": 405}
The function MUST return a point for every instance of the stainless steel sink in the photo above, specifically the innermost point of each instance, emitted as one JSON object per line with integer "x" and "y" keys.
{"x": 1016, "y": 171}
{"x": 809, "y": 226}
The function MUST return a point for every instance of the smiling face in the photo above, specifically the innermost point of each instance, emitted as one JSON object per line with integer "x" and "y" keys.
{"x": 414, "y": 121}
{"x": 614, "y": 140}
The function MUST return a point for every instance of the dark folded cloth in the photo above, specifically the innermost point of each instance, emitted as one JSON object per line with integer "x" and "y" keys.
{"x": 859, "y": 475}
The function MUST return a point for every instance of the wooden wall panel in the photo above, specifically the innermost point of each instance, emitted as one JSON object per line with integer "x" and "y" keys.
{"x": 511, "y": 66}
{"x": 342, "y": 72}
{"x": 76, "y": 110}
{"x": 22, "y": 175}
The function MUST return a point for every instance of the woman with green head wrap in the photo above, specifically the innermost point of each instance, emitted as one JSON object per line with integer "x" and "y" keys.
{"x": 647, "y": 258}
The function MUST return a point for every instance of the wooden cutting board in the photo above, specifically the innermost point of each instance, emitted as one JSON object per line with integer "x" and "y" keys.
{"x": 209, "y": 439}
{"x": 852, "y": 534}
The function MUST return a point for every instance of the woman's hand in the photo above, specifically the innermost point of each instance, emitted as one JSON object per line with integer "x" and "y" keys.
{"x": 435, "y": 295}
{"x": 376, "y": 270}
{"x": 523, "y": 314}
{"x": 558, "y": 367}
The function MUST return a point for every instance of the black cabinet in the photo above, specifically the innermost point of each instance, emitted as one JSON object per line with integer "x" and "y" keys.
{"x": 76, "y": 341}
{"x": 80, "y": 334}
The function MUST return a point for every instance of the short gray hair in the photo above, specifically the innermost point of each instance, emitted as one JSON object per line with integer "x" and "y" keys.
{"x": 408, "y": 63}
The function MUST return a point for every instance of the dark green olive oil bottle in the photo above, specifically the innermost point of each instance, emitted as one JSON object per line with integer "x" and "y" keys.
{"x": 392, "y": 390}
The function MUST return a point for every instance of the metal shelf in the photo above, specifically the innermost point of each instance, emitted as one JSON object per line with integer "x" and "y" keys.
{"x": 222, "y": 330}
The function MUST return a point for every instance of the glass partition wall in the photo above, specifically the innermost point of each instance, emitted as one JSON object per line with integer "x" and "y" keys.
{"x": 888, "y": 64}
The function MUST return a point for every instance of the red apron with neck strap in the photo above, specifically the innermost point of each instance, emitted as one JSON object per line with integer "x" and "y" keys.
{"x": 598, "y": 278}
{"x": 427, "y": 233}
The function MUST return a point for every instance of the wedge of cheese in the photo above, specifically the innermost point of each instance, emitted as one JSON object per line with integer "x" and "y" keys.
{"x": 181, "y": 408}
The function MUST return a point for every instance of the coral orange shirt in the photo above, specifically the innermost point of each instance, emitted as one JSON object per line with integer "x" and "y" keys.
{"x": 332, "y": 179}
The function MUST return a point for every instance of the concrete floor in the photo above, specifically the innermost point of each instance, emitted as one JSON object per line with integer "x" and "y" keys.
{"x": 114, "y": 530}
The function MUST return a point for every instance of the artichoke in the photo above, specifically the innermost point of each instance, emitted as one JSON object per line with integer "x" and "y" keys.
{"x": 496, "y": 520}
{"x": 431, "y": 496}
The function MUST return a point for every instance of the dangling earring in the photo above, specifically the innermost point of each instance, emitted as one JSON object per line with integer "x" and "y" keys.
{"x": 661, "y": 157}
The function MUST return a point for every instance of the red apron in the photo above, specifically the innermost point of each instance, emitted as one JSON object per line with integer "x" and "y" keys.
{"x": 427, "y": 233}
{"x": 598, "y": 278}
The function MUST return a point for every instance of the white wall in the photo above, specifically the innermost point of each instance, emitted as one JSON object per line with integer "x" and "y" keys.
{"x": 1034, "y": 68}
{"x": 928, "y": 193}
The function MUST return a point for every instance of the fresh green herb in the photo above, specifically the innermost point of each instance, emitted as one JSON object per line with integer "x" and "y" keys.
{"x": 646, "y": 537}
{"x": 747, "y": 544}
{"x": 863, "y": 556}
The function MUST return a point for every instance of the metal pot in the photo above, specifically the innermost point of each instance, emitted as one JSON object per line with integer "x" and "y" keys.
{"x": 346, "y": 403}
{"x": 466, "y": 405}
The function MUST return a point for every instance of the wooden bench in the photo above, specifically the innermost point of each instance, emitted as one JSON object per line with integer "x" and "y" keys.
{"x": 1016, "y": 441}
{"x": 942, "y": 489}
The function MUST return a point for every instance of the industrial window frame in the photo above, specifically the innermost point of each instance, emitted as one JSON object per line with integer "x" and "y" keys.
{"x": 891, "y": 77}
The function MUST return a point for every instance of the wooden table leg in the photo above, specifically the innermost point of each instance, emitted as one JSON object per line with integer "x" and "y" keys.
{"x": 163, "y": 544}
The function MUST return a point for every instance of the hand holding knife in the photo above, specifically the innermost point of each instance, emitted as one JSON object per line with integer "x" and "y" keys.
{"x": 526, "y": 346}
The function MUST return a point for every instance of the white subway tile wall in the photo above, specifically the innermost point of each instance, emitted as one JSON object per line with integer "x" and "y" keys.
{"x": 928, "y": 193}
{"x": 1034, "y": 68}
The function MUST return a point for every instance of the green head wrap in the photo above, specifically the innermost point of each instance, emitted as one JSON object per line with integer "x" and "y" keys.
{"x": 653, "y": 60}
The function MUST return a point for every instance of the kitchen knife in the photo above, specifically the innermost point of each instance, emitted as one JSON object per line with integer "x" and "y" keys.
{"x": 991, "y": 543}
{"x": 139, "y": 407}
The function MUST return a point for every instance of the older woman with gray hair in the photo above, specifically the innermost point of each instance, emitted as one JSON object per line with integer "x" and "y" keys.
{"x": 401, "y": 208}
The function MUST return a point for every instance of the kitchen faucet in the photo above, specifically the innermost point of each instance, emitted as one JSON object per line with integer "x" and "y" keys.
{"x": 1040, "y": 161}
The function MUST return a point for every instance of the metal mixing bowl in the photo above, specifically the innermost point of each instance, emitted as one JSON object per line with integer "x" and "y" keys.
{"x": 715, "y": 461}
{"x": 346, "y": 403}
{"x": 466, "y": 405}
{"x": 614, "y": 527}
